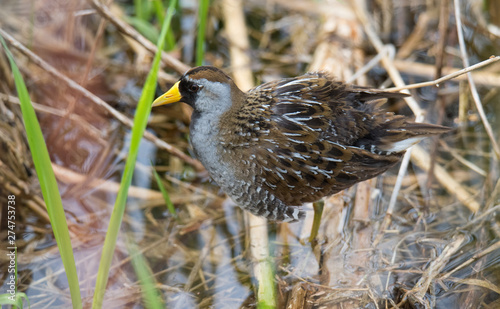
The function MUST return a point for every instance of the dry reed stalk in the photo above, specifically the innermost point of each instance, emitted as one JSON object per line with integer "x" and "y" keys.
{"x": 443, "y": 27}
{"x": 423, "y": 156}
{"x": 70, "y": 177}
{"x": 344, "y": 58}
{"x": 239, "y": 46}
{"x": 121, "y": 263}
{"x": 69, "y": 111}
{"x": 462, "y": 160}
{"x": 339, "y": 53}
{"x": 389, "y": 51}
{"x": 428, "y": 71}
{"x": 415, "y": 39}
{"x": 477, "y": 256}
{"x": 134, "y": 34}
{"x": 197, "y": 270}
{"x": 237, "y": 35}
{"x": 16, "y": 169}
{"x": 362, "y": 14}
{"x": 472, "y": 84}
{"x": 298, "y": 297}
{"x": 447, "y": 181}
{"x": 98, "y": 101}
{"x": 360, "y": 11}
{"x": 95, "y": 133}
{"x": 450, "y": 76}
{"x": 35, "y": 203}
{"x": 418, "y": 292}
{"x": 392, "y": 202}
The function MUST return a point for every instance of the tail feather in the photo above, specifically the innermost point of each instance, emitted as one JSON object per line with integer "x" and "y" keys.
{"x": 401, "y": 138}
{"x": 426, "y": 129}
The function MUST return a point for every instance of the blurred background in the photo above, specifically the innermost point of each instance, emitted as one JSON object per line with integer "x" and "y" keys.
{"x": 85, "y": 63}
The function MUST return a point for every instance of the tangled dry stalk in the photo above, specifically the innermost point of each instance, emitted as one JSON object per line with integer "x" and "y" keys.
{"x": 425, "y": 236}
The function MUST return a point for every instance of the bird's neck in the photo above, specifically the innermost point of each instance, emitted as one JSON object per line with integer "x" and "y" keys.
{"x": 205, "y": 140}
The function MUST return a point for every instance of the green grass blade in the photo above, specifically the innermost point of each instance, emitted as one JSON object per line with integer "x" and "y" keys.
{"x": 171, "y": 43}
{"x": 200, "y": 39}
{"x": 48, "y": 183}
{"x": 263, "y": 268}
{"x": 144, "y": 27}
{"x": 140, "y": 122}
{"x": 266, "y": 293}
{"x": 159, "y": 11}
{"x": 150, "y": 294}
{"x": 16, "y": 300}
{"x": 140, "y": 8}
{"x": 166, "y": 196}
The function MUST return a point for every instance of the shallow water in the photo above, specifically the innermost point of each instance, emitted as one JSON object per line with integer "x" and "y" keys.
{"x": 204, "y": 260}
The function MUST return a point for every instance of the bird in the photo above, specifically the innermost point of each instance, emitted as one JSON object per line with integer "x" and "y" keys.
{"x": 291, "y": 141}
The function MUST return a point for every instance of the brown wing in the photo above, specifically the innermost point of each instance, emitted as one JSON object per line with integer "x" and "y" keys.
{"x": 313, "y": 136}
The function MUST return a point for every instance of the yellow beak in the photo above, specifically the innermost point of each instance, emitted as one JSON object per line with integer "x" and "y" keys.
{"x": 171, "y": 96}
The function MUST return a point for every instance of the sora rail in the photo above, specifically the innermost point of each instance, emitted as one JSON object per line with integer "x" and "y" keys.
{"x": 291, "y": 141}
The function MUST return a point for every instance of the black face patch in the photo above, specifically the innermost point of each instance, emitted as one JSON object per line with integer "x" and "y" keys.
{"x": 188, "y": 96}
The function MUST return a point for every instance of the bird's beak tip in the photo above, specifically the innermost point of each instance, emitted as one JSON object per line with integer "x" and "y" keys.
{"x": 171, "y": 96}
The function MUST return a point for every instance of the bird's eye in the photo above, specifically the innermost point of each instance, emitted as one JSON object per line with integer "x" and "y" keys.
{"x": 194, "y": 88}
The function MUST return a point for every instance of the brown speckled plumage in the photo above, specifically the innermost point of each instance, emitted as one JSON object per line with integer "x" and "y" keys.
{"x": 292, "y": 141}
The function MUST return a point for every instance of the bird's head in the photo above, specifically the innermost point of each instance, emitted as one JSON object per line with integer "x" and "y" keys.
{"x": 205, "y": 89}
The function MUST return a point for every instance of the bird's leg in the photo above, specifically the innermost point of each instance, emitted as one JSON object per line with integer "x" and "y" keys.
{"x": 318, "y": 211}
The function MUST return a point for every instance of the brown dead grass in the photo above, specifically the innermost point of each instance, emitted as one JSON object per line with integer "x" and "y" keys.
{"x": 426, "y": 249}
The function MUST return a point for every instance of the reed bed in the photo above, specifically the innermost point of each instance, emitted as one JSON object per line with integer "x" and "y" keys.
{"x": 423, "y": 235}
